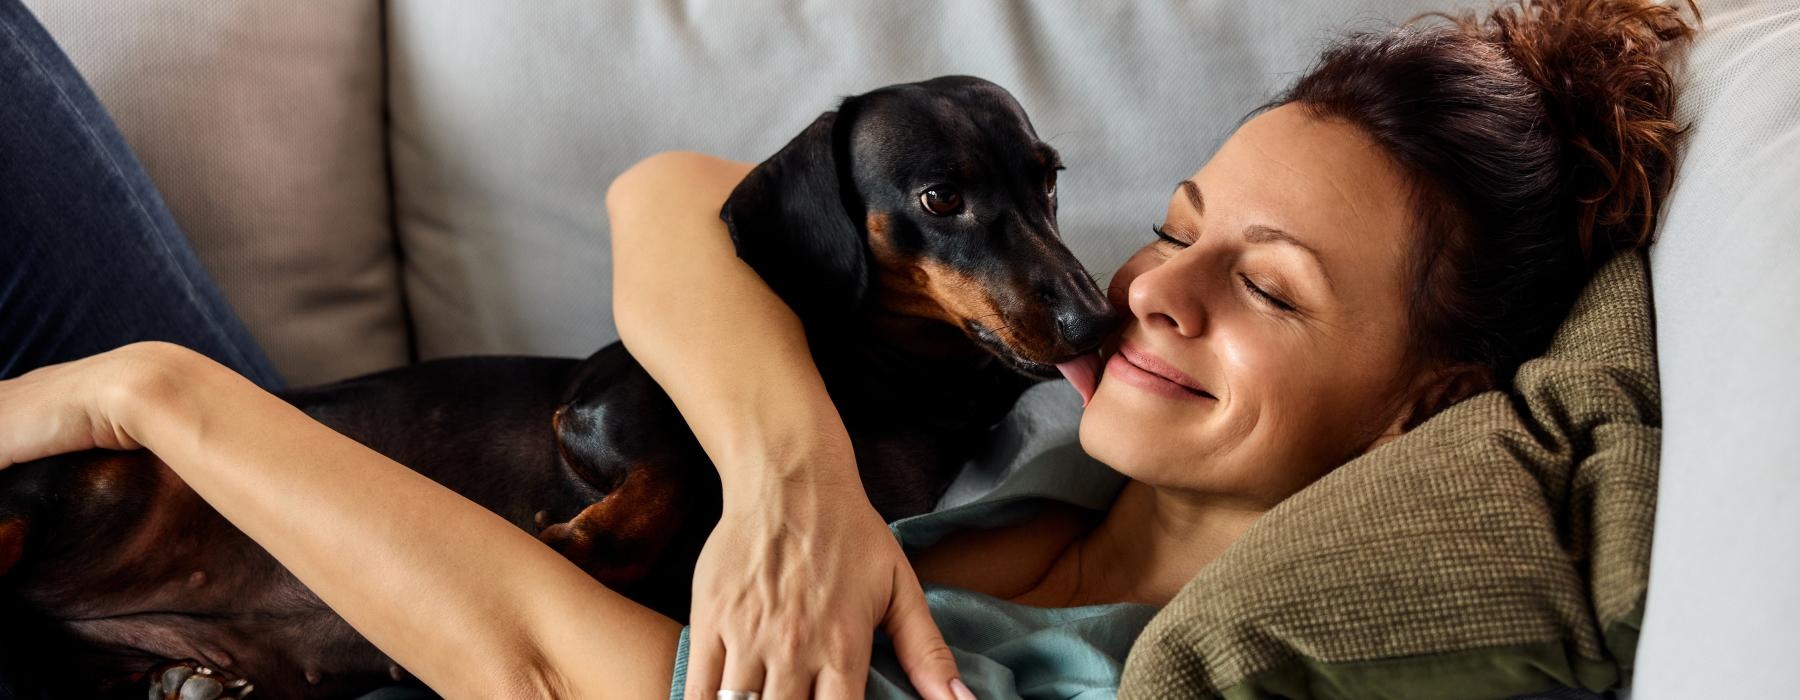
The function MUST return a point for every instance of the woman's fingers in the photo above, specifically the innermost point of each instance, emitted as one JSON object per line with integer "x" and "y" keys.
{"x": 792, "y": 575}
{"x": 846, "y": 675}
{"x": 836, "y": 684}
{"x": 789, "y": 684}
{"x": 927, "y": 660}
{"x": 68, "y": 407}
{"x": 40, "y": 416}
{"x": 706, "y": 663}
{"x": 743, "y": 670}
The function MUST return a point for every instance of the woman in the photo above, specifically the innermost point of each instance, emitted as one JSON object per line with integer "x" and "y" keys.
{"x": 1399, "y": 230}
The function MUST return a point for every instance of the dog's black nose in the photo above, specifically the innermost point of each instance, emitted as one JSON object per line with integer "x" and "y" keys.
{"x": 1083, "y": 329}
{"x": 1083, "y": 316}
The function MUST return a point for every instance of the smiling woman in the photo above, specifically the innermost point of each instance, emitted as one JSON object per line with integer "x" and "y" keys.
{"x": 1268, "y": 325}
{"x": 1399, "y": 230}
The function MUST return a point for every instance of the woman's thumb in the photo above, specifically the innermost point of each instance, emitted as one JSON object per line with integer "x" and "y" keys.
{"x": 928, "y": 662}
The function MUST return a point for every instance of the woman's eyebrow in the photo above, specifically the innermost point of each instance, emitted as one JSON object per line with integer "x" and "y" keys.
{"x": 1263, "y": 233}
{"x": 1260, "y": 233}
{"x": 1193, "y": 194}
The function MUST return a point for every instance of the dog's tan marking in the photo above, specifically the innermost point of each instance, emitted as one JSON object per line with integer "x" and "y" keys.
{"x": 12, "y": 543}
{"x": 620, "y": 539}
{"x": 913, "y": 286}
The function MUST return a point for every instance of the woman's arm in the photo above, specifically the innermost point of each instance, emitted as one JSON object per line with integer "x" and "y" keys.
{"x": 801, "y": 569}
{"x": 711, "y": 332}
{"x": 472, "y": 605}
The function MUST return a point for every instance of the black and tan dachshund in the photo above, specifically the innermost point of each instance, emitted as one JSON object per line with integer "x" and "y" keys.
{"x": 914, "y": 232}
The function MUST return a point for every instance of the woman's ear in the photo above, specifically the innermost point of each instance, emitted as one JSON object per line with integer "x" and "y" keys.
{"x": 1433, "y": 392}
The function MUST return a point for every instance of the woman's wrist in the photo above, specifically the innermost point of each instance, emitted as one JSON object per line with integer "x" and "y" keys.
{"x": 150, "y": 387}
{"x": 808, "y": 455}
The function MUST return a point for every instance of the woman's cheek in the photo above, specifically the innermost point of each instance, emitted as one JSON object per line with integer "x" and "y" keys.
{"x": 1261, "y": 377}
{"x": 1236, "y": 356}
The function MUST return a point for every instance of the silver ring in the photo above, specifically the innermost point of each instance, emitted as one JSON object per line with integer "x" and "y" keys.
{"x": 739, "y": 695}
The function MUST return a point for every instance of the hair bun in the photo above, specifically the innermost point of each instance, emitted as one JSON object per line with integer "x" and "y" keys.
{"x": 1609, "y": 99}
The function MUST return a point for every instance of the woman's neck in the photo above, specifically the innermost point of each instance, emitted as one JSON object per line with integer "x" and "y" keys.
{"x": 1151, "y": 543}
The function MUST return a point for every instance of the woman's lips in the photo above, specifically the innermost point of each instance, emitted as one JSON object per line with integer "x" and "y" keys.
{"x": 1147, "y": 372}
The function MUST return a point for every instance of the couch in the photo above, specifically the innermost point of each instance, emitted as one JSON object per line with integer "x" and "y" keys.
{"x": 375, "y": 183}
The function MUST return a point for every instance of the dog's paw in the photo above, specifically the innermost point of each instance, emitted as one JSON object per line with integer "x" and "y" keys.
{"x": 573, "y": 539}
{"x": 188, "y": 680}
{"x": 592, "y": 541}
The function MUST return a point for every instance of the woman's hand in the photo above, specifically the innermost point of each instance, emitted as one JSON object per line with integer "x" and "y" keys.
{"x": 789, "y": 588}
{"x": 74, "y": 406}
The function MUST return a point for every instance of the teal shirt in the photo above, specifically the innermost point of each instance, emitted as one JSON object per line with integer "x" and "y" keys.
{"x": 1004, "y": 649}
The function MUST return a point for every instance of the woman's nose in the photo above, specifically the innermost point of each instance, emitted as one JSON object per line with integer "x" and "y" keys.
{"x": 1170, "y": 296}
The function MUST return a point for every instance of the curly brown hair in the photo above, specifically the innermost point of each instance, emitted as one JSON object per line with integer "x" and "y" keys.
{"x": 1539, "y": 140}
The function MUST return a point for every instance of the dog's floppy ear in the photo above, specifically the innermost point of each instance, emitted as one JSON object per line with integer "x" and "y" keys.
{"x": 796, "y": 219}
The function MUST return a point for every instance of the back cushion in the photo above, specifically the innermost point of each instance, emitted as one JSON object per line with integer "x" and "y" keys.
{"x": 511, "y": 118}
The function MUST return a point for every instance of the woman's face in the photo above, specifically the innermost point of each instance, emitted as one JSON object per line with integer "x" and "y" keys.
{"x": 1279, "y": 302}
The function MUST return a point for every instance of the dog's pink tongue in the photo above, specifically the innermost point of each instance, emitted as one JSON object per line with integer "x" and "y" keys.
{"x": 1084, "y": 373}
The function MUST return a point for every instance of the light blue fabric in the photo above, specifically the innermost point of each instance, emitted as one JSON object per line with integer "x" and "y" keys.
{"x": 1003, "y": 649}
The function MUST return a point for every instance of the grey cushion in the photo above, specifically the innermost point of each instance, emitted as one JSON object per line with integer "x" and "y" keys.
{"x": 261, "y": 125}
{"x": 510, "y": 119}
{"x": 1722, "y": 612}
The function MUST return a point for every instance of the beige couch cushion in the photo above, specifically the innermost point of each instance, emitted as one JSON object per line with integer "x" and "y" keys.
{"x": 260, "y": 122}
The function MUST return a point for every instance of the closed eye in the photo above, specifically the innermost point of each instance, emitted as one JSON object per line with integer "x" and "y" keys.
{"x": 1266, "y": 297}
{"x": 1250, "y": 286}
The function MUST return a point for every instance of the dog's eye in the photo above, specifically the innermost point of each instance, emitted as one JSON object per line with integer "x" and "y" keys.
{"x": 941, "y": 200}
{"x": 1050, "y": 182}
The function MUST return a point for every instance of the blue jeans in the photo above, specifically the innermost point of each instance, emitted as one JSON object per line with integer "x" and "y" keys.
{"x": 90, "y": 258}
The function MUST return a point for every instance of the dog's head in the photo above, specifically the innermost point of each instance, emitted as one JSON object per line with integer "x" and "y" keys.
{"x": 934, "y": 200}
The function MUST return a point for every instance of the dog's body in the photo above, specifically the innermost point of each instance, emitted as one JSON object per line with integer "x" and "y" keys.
{"x": 926, "y": 322}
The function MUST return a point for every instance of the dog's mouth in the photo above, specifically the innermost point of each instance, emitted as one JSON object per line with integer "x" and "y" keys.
{"x": 990, "y": 341}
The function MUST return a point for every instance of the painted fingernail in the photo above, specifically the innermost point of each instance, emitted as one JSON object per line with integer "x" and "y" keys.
{"x": 959, "y": 690}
